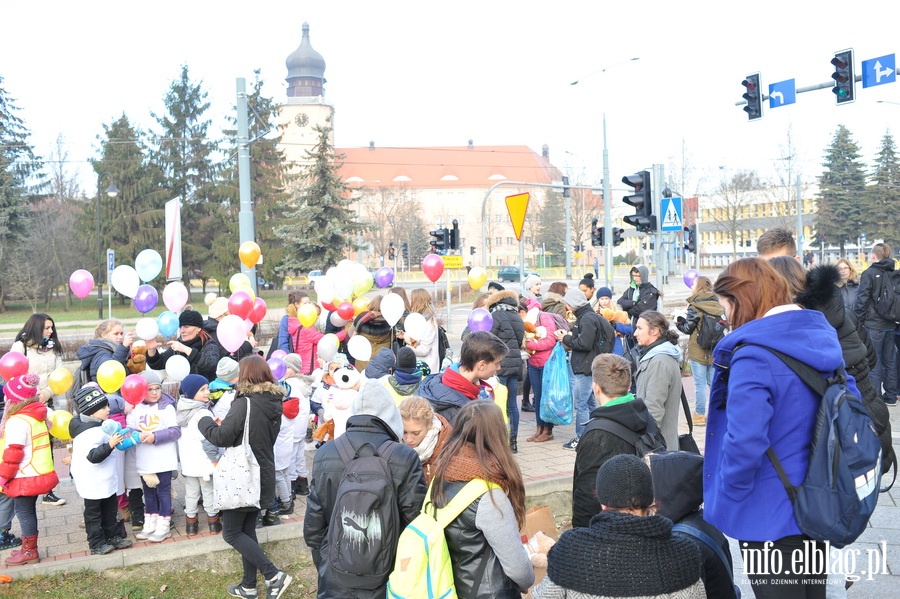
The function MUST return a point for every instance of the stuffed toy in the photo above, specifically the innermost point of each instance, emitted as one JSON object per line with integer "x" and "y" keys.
{"x": 613, "y": 315}
{"x": 137, "y": 362}
{"x": 346, "y": 387}
{"x": 533, "y": 332}
{"x": 132, "y": 438}
{"x": 537, "y": 547}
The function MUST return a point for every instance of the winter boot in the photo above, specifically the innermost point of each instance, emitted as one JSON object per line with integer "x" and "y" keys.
{"x": 136, "y": 508}
{"x": 301, "y": 487}
{"x": 163, "y": 531}
{"x": 9, "y": 541}
{"x": 271, "y": 518}
{"x": 215, "y": 524}
{"x": 191, "y": 524}
{"x": 149, "y": 527}
{"x": 513, "y": 444}
{"x": 28, "y": 554}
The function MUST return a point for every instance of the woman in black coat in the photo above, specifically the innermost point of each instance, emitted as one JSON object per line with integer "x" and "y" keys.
{"x": 510, "y": 328}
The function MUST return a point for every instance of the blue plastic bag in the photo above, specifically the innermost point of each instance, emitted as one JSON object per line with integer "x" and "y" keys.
{"x": 556, "y": 394}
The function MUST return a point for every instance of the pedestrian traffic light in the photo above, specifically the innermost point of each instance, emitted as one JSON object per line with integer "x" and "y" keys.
{"x": 439, "y": 243}
{"x": 844, "y": 78}
{"x": 391, "y": 254}
{"x": 453, "y": 241}
{"x": 618, "y": 236}
{"x": 642, "y": 219}
{"x": 471, "y": 250}
{"x": 690, "y": 238}
{"x": 753, "y": 96}
{"x": 596, "y": 234}
{"x": 404, "y": 251}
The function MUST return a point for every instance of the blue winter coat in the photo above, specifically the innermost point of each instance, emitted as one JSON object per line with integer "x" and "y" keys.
{"x": 767, "y": 404}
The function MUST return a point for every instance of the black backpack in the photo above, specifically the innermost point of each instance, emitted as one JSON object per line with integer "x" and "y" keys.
{"x": 886, "y": 295}
{"x": 711, "y": 330}
{"x": 364, "y": 527}
{"x": 607, "y": 336}
{"x": 649, "y": 442}
{"x": 443, "y": 344}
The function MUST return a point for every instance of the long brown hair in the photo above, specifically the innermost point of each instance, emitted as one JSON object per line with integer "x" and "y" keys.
{"x": 420, "y": 301}
{"x": 254, "y": 370}
{"x": 753, "y": 287}
{"x": 480, "y": 424}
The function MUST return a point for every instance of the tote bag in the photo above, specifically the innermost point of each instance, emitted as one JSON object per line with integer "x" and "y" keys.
{"x": 556, "y": 393}
{"x": 236, "y": 479}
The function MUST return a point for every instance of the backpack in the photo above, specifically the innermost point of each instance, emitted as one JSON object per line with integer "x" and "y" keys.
{"x": 423, "y": 569}
{"x": 365, "y": 522}
{"x": 443, "y": 344}
{"x": 887, "y": 296}
{"x": 710, "y": 332}
{"x": 651, "y": 441}
{"x": 836, "y": 499}
{"x": 607, "y": 337}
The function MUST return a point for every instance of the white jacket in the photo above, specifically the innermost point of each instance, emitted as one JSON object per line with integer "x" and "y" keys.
{"x": 154, "y": 457}
{"x": 94, "y": 481}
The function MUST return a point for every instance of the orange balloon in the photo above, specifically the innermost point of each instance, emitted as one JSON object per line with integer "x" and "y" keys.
{"x": 249, "y": 254}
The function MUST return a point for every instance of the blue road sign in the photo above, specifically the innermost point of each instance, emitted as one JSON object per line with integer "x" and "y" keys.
{"x": 782, "y": 93}
{"x": 110, "y": 263}
{"x": 672, "y": 219}
{"x": 878, "y": 71}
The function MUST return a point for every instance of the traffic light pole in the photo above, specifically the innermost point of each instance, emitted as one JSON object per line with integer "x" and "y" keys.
{"x": 659, "y": 184}
{"x": 607, "y": 213}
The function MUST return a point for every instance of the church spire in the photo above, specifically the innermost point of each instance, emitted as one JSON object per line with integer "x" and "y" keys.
{"x": 306, "y": 70}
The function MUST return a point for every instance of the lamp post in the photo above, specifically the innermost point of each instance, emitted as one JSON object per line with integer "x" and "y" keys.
{"x": 111, "y": 191}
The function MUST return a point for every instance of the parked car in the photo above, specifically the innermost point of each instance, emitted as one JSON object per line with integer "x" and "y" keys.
{"x": 313, "y": 275}
{"x": 261, "y": 283}
{"x": 511, "y": 273}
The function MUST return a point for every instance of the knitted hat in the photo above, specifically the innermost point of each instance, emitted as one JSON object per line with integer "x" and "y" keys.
{"x": 494, "y": 286}
{"x": 293, "y": 361}
{"x": 218, "y": 308}
{"x": 531, "y": 281}
{"x": 375, "y": 400}
{"x": 89, "y": 400}
{"x": 575, "y": 298}
{"x": 226, "y": 369}
{"x": 21, "y": 388}
{"x": 406, "y": 360}
{"x": 190, "y": 318}
{"x": 380, "y": 364}
{"x": 604, "y": 292}
{"x": 624, "y": 481}
{"x": 151, "y": 377}
{"x": 191, "y": 384}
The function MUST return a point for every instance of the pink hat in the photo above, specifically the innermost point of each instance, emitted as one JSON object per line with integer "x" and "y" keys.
{"x": 21, "y": 388}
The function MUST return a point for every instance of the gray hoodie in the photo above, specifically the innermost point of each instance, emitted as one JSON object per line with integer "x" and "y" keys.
{"x": 658, "y": 380}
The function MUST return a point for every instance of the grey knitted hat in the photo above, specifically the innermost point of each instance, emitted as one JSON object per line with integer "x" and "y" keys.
{"x": 624, "y": 481}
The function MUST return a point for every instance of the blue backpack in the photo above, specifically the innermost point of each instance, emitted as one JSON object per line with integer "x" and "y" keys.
{"x": 838, "y": 495}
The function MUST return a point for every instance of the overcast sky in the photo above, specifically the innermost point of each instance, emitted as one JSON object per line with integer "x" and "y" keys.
{"x": 405, "y": 73}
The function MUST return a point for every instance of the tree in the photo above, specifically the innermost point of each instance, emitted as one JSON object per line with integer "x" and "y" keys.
{"x": 881, "y": 214}
{"x": 784, "y": 192}
{"x": 386, "y": 213}
{"x": 551, "y": 228}
{"x": 318, "y": 224}
{"x": 842, "y": 187}
{"x": 734, "y": 197}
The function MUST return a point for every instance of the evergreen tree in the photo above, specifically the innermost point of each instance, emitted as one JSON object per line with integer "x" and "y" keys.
{"x": 881, "y": 217}
{"x": 551, "y": 228}
{"x": 842, "y": 190}
{"x": 319, "y": 224}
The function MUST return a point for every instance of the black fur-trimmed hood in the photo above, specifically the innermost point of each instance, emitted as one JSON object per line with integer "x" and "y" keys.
{"x": 821, "y": 287}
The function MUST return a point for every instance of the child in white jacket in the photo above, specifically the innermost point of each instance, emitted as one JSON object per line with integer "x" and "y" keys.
{"x": 298, "y": 387}
{"x": 198, "y": 456}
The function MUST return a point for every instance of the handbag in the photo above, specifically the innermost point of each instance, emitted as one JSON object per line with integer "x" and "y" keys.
{"x": 236, "y": 480}
{"x": 686, "y": 441}
{"x": 556, "y": 394}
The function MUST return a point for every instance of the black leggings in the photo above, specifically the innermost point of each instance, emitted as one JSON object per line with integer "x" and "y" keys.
{"x": 768, "y": 567}
{"x": 239, "y": 531}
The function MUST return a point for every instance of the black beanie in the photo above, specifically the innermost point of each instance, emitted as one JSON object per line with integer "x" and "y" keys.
{"x": 190, "y": 318}
{"x": 406, "y": 360}
{"x": 89, "y": 400}
{"x": 624, "y": 481}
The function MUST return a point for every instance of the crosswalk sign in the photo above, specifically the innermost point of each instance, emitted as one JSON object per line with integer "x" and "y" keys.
{"x": 672, "y": 219}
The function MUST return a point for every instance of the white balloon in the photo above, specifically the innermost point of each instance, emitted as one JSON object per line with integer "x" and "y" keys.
{"x": 177, "y": 367}
{"x": 148, "y": 265}
{"x": 146, "y": 328}
{"x": 344, "y": 288}
{"x": 332, "y": 274}
{"x": 360, "y": 348}
{"x": 345, "y": 264}
{"x": 336, "y": 320}
{"x": 125, "y": 280}
{"x": 327, "y": 347}
{"x": 358, "y": 270}
{"x": 324, "y": 290}
{"x": 414, "y": 325}
{"x": 392, "y": 308}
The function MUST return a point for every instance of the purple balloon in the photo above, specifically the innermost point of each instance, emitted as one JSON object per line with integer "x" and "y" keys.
{"x": 480, "y": 320}
{"x": 690, "y": 276}
{"x": 278, "y": 367}
{"x": 146, "y": 298}
{"x": 384, "y": 276}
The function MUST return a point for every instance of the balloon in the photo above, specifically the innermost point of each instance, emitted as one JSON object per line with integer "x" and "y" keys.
{"x": 240, "y": 304}
{"x": 239, "y": 281}
{"x": 345, "y": 311}
{"x": 259, "y": 310}
{"x": 145, "y": 299}
{"x": 134, "y": 389}
{"x": 392, "y": 308}
{"x": 249, "y": 254}
{"x": 384, "y": 276}
{"x": 148, "y": 265}
{"x": 110, "y": 376}
{"x": 433, "y": 267}
{"x": 278, "y": 353}
{"x": 360, "y": 305}
{"x": 146, "y": 328}
{"x": 337, "y": 321}
{"x": 81, "y": 282}
{"x": 415, "y": 326}
{"x": 324, "y": 290}
{"x": 125, "y": 280}
{"x": 360, "y": 348}
{"x": 278, "y": 367}
{"x": 59, "y": 424}
{"x": 13, "y": 364}
{"x": 232, "y": 332}
{"x": 177, "y": 367}
{"x": 362, "y": 283}
{"x": 167, "y": 323}
{"x": 328, "y": 346}
{"x": 307, "y": 315}
{"x": 480, "y": 320}
{"x": 60, "y": 380}
{"x": 175, "y": 296}
{"x": 477, "y": 278}
{"x": 344, "y": 289}
{"x": 690, "y": 276}
{"x": 328, "y": 306}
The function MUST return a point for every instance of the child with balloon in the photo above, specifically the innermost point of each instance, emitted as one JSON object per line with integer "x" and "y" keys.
{"x": 110, "y": 342}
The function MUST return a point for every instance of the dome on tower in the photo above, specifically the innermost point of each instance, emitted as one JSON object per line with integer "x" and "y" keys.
{"x": 306, "y": 69}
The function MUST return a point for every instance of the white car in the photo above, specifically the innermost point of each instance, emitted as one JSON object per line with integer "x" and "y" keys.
{"x": 313, "y": 276}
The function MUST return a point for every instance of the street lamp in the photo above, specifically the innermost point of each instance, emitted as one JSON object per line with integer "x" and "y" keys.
{"x": 111, "y": 191}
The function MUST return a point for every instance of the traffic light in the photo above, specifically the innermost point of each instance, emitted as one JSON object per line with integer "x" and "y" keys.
{"x": 596, "y": 234}
{"x": 642, "y": 200}
{"x": 753, "y": 96}
{"x": 566, "y": 191}
{"x": 439, "y": 243}
{"x": 453, "y": 242}
{"x": 404, "y": 251}
{"x": 690, "y": 238}
{"x": 844, "y": 78}
{"x": 471, "y": 250}
{"x": 618, "y": 236}
{"x": 391, "y": 254}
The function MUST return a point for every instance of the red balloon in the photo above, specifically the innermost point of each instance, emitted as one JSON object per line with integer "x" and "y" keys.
{"x": 259, "y": 310}
{"x": 345, "y": 310}
{"x": 134, "y": 389}
{"x": 13, "y": 364}
{"x": 328, "y": 306}
{"x": 433, "y": 267}
{"x": 240, "y": 304}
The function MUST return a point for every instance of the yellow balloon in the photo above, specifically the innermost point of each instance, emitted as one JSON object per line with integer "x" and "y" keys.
{"x": 362, "y": 283}
{"x": 237, "y": 281}
{"x": 249, "y": 254}
{"x": 110, "y": 376}
{"x": 360, "y": 305}
{"x": 60, "y": 380}
{"x": 307, "y": 314}
{"x": 59, "y": 424}
{"x": 477, "y": 278}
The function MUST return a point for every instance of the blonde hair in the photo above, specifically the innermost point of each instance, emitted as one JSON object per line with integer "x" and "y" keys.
{"x": 417, "y": 408}
{"x": 854, "y": 276}
{"x": 420, "y": 302}
{"x": 105, "y": 327}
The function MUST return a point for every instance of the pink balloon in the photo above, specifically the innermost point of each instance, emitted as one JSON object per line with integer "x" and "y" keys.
{"x": 433, "y": 267}
{"x": 134, "y": 389}
{"x": 13, "y": 364}
{"x": 240, "y": 304}
{"x": 175, "y": 296}
{"x": 259, "y": 310}
{"x": 81, "y": 282}
{"x": 231, "y": 332}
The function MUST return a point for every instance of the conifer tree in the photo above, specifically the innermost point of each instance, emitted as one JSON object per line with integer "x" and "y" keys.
{"x": 882, "y": 209}
{"x": 842, "y": 192}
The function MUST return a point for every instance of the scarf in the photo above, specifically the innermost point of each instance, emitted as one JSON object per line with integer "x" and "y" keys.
{"x": 425, "y": 449}
{"x": 464, "y": 466}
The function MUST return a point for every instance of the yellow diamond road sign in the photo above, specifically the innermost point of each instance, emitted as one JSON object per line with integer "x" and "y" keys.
{"x": 517, "y": 205}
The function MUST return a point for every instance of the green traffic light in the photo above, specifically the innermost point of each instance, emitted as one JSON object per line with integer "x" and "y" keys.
{"x": 842, "y": 92}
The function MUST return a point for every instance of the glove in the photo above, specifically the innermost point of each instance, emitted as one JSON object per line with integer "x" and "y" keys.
{"x": 151, "y": 480}
{"x": 680, "y": 320}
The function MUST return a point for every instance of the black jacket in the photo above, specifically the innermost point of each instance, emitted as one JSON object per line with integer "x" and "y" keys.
{"x": 203, "y": 357}
{"x": 585, "y": 338}
{"x": 265, "y": 422}
{"x": 870, "y": 282}
{"x": 648, "y": 296}
{"x": 510, "y": 328}
{"x": 211, "y": 326}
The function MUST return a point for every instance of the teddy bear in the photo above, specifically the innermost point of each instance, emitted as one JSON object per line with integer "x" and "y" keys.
{"x": 137, "y": 362}
{"x": 613, "y": 315}
{"x": 537, "y": 547}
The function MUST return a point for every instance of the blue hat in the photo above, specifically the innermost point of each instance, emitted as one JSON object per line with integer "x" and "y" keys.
{"x": 191, "y": 384}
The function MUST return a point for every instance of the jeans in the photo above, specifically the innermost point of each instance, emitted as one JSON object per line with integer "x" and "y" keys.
{"x": 26, "y": 512}
{"x": 158, "y": 500}
{"x": 583, "y": 393}
{"x": 239, "y": 531}
{"x": 100, "y": 520}
{"x": 194, "y": 488}
{"x": 512, "y": 408}
{"x": 283, "y": 485}
{"x": 7, "y": 509}
{"x": 885, "y": 371}
{"x": 536, "y": 376}
{"x": 703, "y": 376}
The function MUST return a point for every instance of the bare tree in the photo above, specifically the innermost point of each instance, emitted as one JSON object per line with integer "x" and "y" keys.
{"x": 734, "y": 197}
{"x": 783, "y": 193}
{"x": 386, "y": 211}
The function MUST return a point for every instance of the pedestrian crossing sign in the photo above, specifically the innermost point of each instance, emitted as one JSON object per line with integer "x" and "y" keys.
{"x": 672, "y": 215}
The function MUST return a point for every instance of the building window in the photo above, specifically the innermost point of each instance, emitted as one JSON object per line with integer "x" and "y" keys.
{"x": 498, "y": 242}
{"x": 510, "y": 241}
